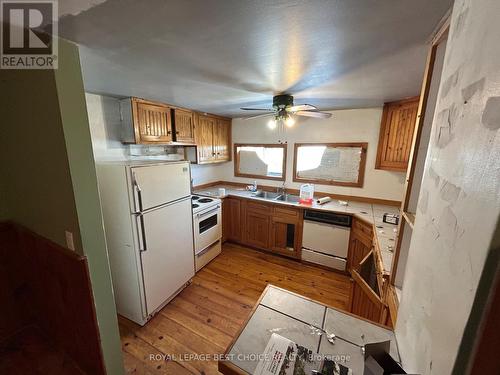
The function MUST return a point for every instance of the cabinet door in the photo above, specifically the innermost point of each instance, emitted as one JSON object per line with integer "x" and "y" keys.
{"x": 396, "y": 135}
{"x": 184, "y": 126}
{"x": 152, "y": 122}
{"x": 359, "y": 247}
{"x": 232, "y": 219}
{"x": 257, "y": 229}
{"x": 205, "y": 138}
{"x": 363, "y": 304}
{"x": 285, "y": 236}
{"x": 222, "y": 141}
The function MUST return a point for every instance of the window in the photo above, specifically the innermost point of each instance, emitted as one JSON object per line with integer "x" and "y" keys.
{"x": 260, "y": 161}
{"x": 330, "y": 163}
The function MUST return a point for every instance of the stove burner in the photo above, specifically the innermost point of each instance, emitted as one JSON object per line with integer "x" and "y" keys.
{"x": 194, "y": 205}
{"x": 205, "y": 200}
{"x": 195, "y": 198}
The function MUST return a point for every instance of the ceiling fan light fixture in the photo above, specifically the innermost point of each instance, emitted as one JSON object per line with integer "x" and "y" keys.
{"x": 271, "y": 124}
{"x": 290, "y": 121}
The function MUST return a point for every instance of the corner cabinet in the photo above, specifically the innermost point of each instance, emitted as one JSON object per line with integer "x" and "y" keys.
{"x": 396, "y": 134}
{"x": 213, "y": 139}
{"x": 368, "y": 287}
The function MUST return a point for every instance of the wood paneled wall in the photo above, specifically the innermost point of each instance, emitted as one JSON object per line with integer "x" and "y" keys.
{"x": 49, "y": 287}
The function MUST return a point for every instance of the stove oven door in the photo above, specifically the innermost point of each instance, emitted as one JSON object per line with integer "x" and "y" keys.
{"x": 207, "y": 227}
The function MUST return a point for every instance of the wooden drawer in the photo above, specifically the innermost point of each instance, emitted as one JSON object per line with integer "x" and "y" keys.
{"x": 258, "y": 207}
{"x": 362, "y": 227}
{"x": 286, "y": 212}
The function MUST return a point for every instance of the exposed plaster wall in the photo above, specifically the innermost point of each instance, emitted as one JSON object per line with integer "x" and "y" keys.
{"x": 460, "y": 195}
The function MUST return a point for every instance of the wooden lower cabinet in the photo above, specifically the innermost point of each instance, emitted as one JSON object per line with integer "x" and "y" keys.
{"x": 262, "y": 225}
{"x": 365, "y": 303}
{"x": 257, "y": 229}
{"x": 285, "y": 236}
{"x": 231, "y": 220}
{"x": 360, "y": 244}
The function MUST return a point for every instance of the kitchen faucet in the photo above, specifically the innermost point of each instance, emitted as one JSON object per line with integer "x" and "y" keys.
{"x": 281, "y": 189}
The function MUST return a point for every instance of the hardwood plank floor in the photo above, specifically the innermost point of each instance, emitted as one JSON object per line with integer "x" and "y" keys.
{"x": 204, "y": 317}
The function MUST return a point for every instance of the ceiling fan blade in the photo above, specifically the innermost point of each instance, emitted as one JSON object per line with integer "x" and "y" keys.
{"x": 257, "y": 116}
{"x": 257, "y": 109}
{"x": 316, "y": 114}
{"x": 301, "y": 107}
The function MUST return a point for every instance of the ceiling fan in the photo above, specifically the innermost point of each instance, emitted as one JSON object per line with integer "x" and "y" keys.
{"x": 283, "y": 111}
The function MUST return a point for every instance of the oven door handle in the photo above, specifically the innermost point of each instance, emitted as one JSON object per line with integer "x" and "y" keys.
{"x": 208, "y": 212}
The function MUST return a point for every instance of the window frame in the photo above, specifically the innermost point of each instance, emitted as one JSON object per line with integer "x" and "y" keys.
{"x": 237, "y": 173}
{"x": 362, "y": 164}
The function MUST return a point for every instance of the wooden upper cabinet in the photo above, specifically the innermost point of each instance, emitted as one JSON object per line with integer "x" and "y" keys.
{"x": 396, "y": 134}
{"x": 222, "y": 140}
{"x": 205, "y": 138}
{"x": 151, "y": 122}
{"x": 184, "y": 125}
{"x": 213, "y": 139}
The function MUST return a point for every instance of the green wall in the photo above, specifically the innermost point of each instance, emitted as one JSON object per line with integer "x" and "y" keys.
{"x": 37, "y": 189}
{"x": 75, "y": 123}
{"x": 48, "y": 181}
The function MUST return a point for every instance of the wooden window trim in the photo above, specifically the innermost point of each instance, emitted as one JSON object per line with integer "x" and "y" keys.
{"x": 362, "y": 164}
{"x": 237, "y": 173}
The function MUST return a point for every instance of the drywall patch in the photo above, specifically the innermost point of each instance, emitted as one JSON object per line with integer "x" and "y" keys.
{"x": 469, "y": 91}
{"x": 450, "y": 82}
{"x": 445, "y": 121}
{"x": 449, "y": 192}
{"x": 434, "y": 176}
{"x": 491, "y": 113}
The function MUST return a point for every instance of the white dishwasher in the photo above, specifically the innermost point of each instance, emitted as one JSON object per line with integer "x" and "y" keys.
{"x": 325, "y": 238}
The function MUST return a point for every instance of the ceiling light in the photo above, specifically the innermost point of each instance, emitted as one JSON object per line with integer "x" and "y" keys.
{"x": 290, "y": 121}
{"x": 272, "y": 124}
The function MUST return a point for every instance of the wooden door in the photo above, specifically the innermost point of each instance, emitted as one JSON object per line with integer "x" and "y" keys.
{"x": 205, "y": 138}
{"x": 257, "y": 229}
{"x": 152, "y": 122}
{"x": 231, "y": 218}
{"x": 184, "y": 126}
{"x": 396, "y": 134}
{"x": 222, "y": 141}
{"x": 284, "y": 238}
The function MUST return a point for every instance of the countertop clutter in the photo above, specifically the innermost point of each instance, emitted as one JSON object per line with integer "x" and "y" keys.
{"x": 385, "y": 234}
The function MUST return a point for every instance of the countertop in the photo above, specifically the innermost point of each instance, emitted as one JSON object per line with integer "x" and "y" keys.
{"x": 305, "y": 322}
{"x": 372, "y": 213}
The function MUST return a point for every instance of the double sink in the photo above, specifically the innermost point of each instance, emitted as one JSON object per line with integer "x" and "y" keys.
{"x": 281, "y": 197}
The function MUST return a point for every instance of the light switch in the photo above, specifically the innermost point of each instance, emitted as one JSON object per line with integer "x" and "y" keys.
{"x": 69, "y": 240}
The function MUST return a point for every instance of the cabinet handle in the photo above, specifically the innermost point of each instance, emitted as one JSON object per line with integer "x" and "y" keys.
{"x": 169, "y": 132}
{"x": 177, "y": 133}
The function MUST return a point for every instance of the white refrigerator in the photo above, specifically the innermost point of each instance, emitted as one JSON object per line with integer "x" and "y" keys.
{"x": 149, "y": 233}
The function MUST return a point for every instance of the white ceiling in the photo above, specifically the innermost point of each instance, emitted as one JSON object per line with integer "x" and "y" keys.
{"x": 218, "y": 56}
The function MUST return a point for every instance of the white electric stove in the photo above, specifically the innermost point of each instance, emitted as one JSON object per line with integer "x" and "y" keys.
{"x": 207, "y": 223}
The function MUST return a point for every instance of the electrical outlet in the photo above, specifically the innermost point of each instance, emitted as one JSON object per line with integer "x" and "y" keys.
{"x": 69, "y": 240}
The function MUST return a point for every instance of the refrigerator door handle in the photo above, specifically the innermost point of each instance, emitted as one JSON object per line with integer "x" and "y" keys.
{"x": 138, "y": 193}
{"x": 142, "y": 233}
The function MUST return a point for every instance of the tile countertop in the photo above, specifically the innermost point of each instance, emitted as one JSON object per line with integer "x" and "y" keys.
{"x": 385, "y": 234}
